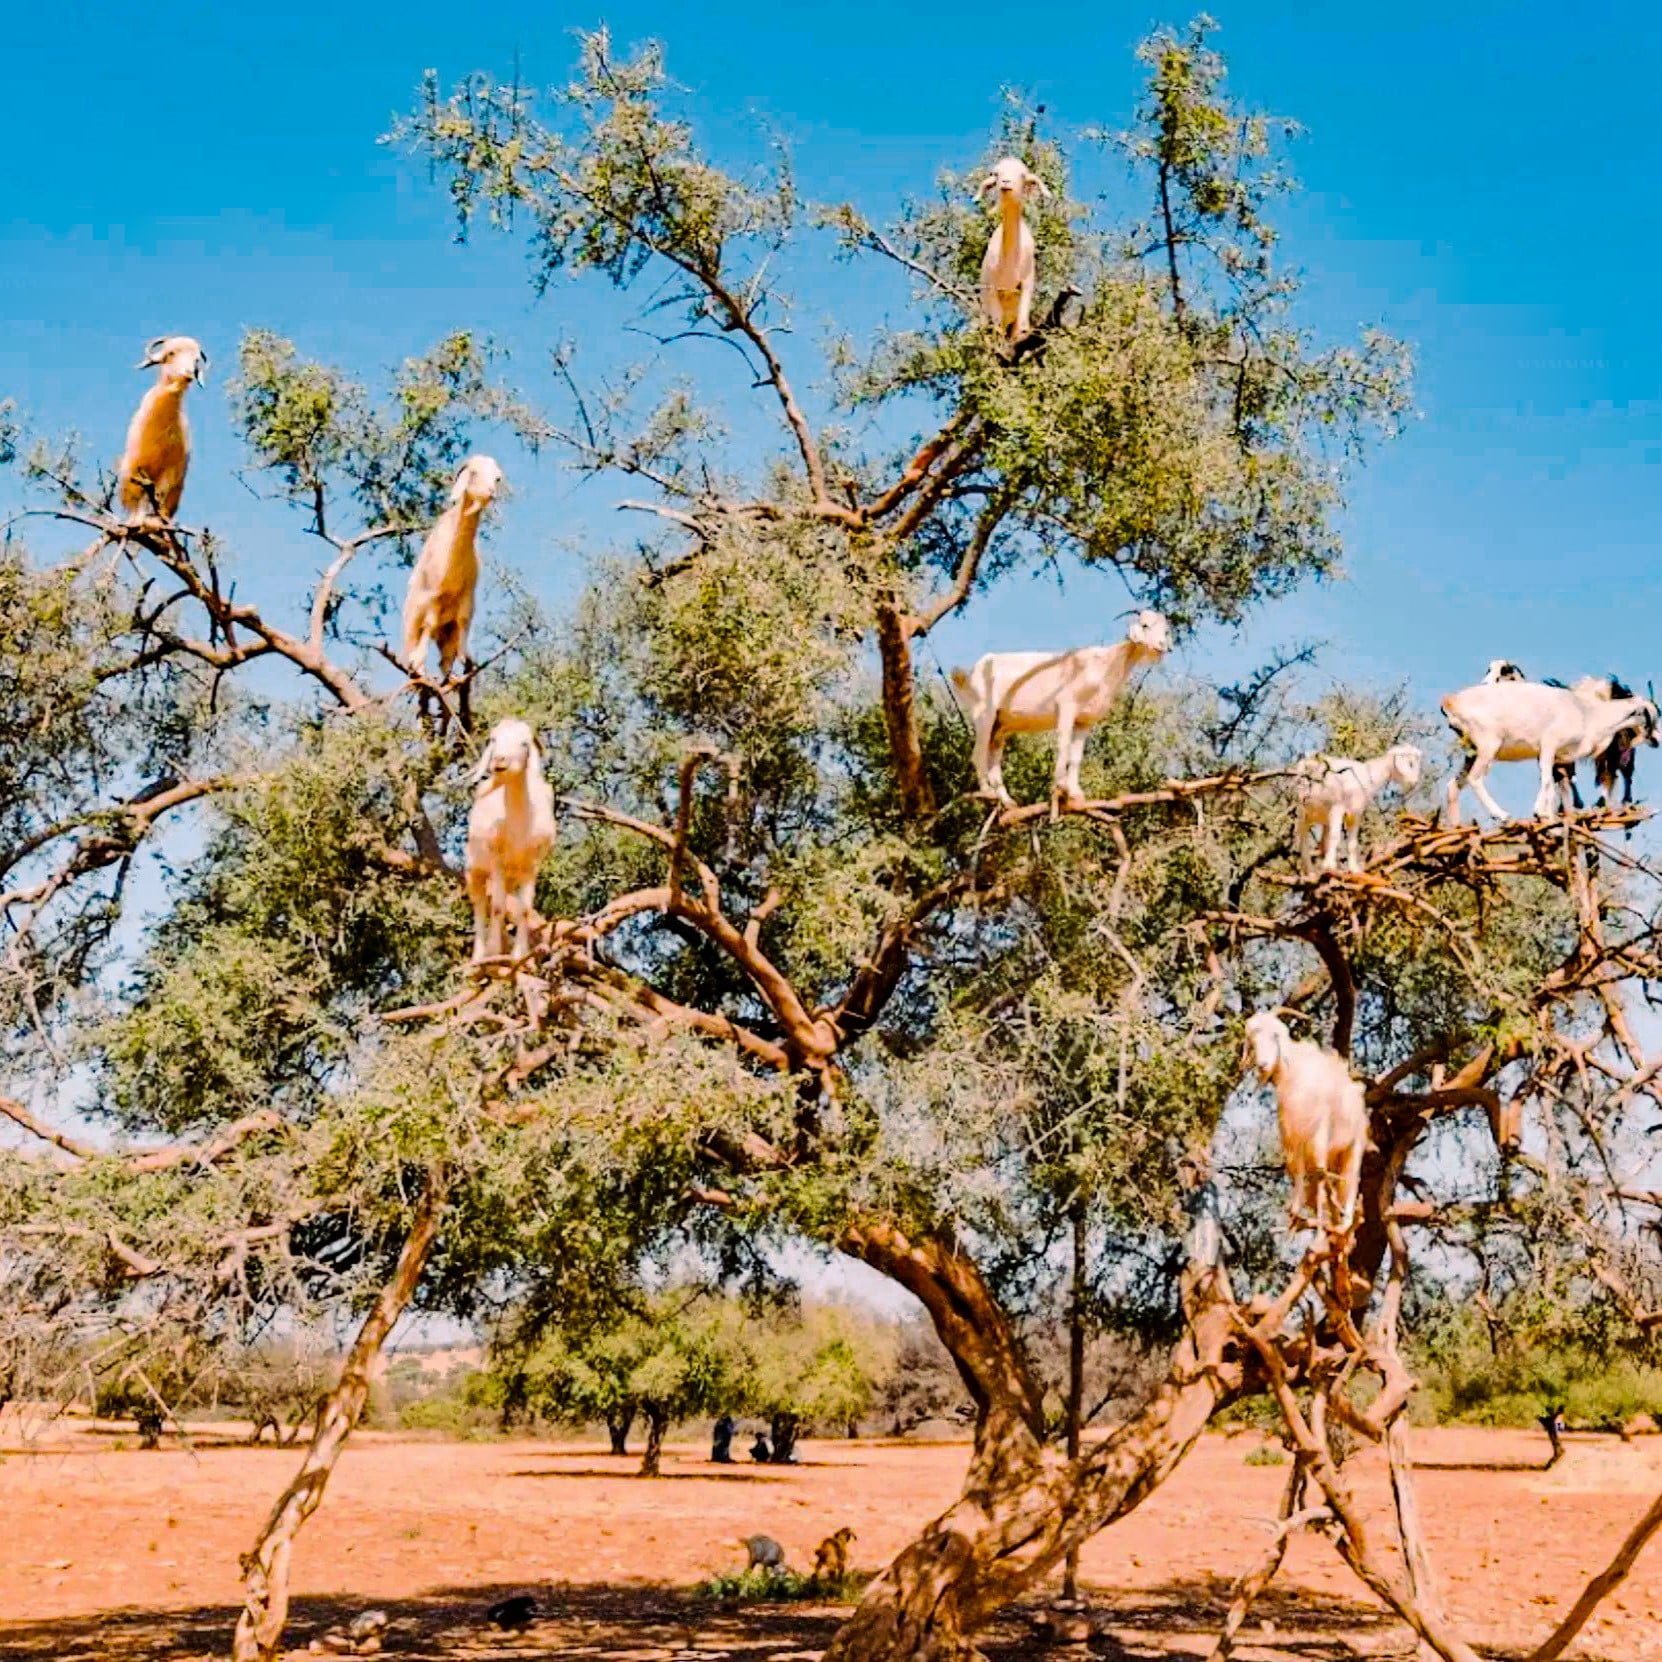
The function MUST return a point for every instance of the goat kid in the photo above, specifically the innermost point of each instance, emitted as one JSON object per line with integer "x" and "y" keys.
{"x": 1323, "y": 1118}
{"x": 438, "y": 606}
{"x": 1518, "y": 721}
{"x": 150, "y": 477}
{"x": 1009, "y": 269}
{"x": 1041, "y": 692}
{"x": 510, "y": 827}
{"x": 1335, "y": 791}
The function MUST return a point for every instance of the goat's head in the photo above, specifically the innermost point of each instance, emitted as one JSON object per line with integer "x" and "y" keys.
{"x": 1011, "y": 176}
{"x": 1151, "y": 631}
{"x": 178, "y": 356}
{"x": 477, "y": 480}
{"x": 1502, "y": 669}
{"x": 1265, "y": 1035}
{"x": 1647, "y": 714}
{"x": 1405, "y": 760}
{"x": 511, "y": 748}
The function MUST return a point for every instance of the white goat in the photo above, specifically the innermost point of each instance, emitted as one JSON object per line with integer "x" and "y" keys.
{"x": 1520, "y": 721}
{"x": 438, "y": 608}
{"x": 1008, "y": 269}
{"x": 1323, "y": 1117}
{"x": 1334, "y": 793}
{"x": 1035, "y": 692}
{"x": 150, "y": 476}
{"x": 509, "y": 829}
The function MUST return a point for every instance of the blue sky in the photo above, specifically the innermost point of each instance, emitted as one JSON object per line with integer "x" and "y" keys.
{"x": 1477, "y": 179}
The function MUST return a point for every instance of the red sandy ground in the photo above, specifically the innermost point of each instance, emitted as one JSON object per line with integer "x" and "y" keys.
{"x": 108, "y": 1553}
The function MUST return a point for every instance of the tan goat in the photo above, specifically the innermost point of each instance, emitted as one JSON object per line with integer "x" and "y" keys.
{"x": 438, "y": 608}
{"x": 1009, "y": 269}
{"x": 150, "y": 476}
{"x": 1323, "y": 1117}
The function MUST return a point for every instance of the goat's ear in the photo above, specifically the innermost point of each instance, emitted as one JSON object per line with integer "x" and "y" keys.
{"x": 987, "y": 186}
{"x": 201, "y": 369}
{"x": 458, "y": 485}
{"x": 482, "y": 766}
{"x": 150, "y": 358}
{"x": 1035, "y": 186}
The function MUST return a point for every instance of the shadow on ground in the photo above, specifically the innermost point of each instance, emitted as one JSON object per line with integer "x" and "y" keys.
{"x": 649, "y": 1624}
{"x": 712, "y": 1474}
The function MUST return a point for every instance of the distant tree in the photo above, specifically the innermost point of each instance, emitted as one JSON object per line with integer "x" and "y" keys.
{"x": 664, "y": 1362}
{"x": 819, "y": 1367}
{"x": 923, "y": 1384}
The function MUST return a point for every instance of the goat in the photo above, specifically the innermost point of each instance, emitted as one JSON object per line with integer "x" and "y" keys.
{"x": 1035, "y": 692}
{"x": 1009, "y": 269}
{"x": 510, "y": 828}
{"x": 438, "y": 608}
{"x": 765, "y": 1552}
{"x": 1334, "y": 792}
{"x": 1517, "y": 721}
{"x": 1323, "y": 1118}
{"x": 831, "y": 1555}
{"x": 515, "y": 1613}
{"x": 150, "y": 477}
{"x": 1614, "y": 762}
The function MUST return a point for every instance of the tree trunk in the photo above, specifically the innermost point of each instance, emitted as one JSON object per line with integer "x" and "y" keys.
{"x": 265, "y": 1567}
{"x": 782, "y": 1430}
{"x": 652, "y": 1455}
{"x": 1023, "y": 1504}
{"x": 1076, "y": 1378}
{"x": 894, "y": 646}
{"x": 617, "y": 1428}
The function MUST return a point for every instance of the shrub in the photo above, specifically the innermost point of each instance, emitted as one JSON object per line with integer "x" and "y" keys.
{"x": 760, "y": 1585}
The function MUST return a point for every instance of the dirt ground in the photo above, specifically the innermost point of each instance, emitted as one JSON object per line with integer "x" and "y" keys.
{"x": 115, "y": 1553}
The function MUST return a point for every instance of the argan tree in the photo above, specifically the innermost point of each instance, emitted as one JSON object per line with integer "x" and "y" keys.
{"x": 793, "y": 982}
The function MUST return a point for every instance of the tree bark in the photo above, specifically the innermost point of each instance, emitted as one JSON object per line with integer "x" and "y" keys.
{"x": 782, "y": 1430}
{"x": 1023, "y": 1504}
{"x": 265, "y": 1567}
{"x": 652, "y": 1454}
{"x": 617, "y": 1429}
{"x": 1416, "y": 1564}
{"x": 917, "y": 800}
{"x": 1076, "y": 1378}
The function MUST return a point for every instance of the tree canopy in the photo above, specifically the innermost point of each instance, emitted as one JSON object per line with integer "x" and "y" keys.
{"x": 794, "y": 982}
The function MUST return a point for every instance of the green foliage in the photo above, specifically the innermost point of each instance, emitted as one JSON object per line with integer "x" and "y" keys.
{"x": 763, "y": 1585}
{"x": 1266, "y": 1454}
{"x": 320, "y": 432}
{"x": 1543, "y": 1354}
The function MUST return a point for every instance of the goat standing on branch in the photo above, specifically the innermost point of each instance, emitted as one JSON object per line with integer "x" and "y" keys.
{"x": 1519, "y": 721}
{"x": 1009, "y": 269}
{"x": 509, "y": 829}
{"x": 1334, "y": 793}
{"x": 150, "y": 477}
{"x": 1323, "y": 1117}
{"x": 438, "y": 609}
{"x": 1038, "y": 692}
